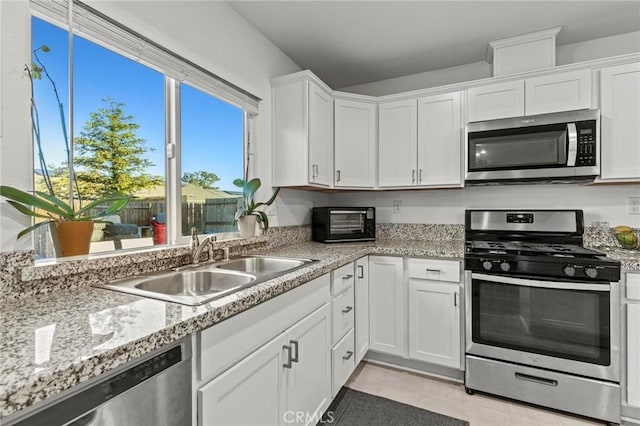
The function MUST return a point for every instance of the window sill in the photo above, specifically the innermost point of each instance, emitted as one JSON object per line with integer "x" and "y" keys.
{"x": 49, "y": 268}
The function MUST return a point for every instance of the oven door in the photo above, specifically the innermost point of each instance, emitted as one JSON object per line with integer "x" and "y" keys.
{"x": 568, "y": 327}
{"x": 346, "y": 225}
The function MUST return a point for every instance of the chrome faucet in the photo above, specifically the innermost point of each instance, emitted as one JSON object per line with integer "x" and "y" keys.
{"x": 198, "y": 247}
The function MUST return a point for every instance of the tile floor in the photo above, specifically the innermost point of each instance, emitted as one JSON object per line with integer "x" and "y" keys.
{"x": 449, "y": 398}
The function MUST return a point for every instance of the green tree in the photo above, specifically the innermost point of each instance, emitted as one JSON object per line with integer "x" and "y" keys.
{"x": 201, "y": 178}
{"x": 110, "y": 158}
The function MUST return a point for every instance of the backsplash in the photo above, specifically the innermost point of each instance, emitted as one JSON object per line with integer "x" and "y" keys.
{"x": 419, "y": 232}
{"x": 20, "y": 277}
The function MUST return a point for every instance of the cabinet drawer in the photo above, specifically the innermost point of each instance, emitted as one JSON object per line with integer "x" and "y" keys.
{"x": 343, "y": 314}
{"x": 342, "y": 361}
{"x": 342, "y": 278}
{"x": 438, "y": 270}
{"x": 633, "y": 286}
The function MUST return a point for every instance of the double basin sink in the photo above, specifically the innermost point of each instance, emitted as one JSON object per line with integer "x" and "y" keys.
{"x": 197, "y": 284}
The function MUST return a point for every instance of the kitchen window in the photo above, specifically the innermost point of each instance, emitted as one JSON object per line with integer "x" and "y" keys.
{"x": 142, "y": 121}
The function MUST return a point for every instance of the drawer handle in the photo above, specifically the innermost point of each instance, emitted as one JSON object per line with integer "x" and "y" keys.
{"x": 434, "y": 270}
{"x": 294, "y": 345}
{"x": 360, "y": 271}
{"x": 349, "y": 355}
{"x": 534, "y": 379}
{"x": 347, "y": 309}
{"x": 347, "y": 277}
{"x": 287, "y": 363}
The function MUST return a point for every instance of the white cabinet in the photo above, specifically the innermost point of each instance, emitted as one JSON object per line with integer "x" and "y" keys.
{"x": 398, "y": 136}
{"x": 494, "y": 101}
{"x": 434, "y": 322}
{"x": 439, "y": 140}
{"x": 620, "y": 126}
{"x": 538, "y": 95}
{"x": 631, "y": 319}
{"x": 420, "y": 142}
{"x": 387, "y": 305}
{"x": 276, "y": 355}
{"x": 355, "y": 143}
{"x": 558, "y": 92}
{"x": 435, "y": 311}
{"x": 362, "y": 308}
{"x": 302, "y": 148}
{"x": 343, "y": 317}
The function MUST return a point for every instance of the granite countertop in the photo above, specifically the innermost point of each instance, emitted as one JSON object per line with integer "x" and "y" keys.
{"x": 629, "y": 259}
{"x": 52, "y": 342}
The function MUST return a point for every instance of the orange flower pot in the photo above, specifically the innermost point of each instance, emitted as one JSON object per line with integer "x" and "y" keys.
{"x": 71, "y": 238}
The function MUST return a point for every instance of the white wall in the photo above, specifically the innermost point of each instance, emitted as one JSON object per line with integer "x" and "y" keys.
{"x": 566, "y": 54}
{"x": 600, "y": 203}
{"x": 16, "y": 148}
{"x": 209, "y": 33}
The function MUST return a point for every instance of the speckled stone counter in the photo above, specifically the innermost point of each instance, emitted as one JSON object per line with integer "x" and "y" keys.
{"x": 629, "y": 259}
{"x": 52, "y": 342}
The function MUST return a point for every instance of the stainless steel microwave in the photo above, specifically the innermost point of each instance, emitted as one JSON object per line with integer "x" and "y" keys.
{"x": 551, "y": 147}
{"x": 343, "y": 224}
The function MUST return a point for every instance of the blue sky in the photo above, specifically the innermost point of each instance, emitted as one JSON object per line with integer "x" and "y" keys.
{"x": 212, "y": 130}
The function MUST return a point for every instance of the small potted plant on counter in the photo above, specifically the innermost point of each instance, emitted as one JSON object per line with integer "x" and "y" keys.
{"x": 248, "y": 215}
{"x": 70, "y": 228}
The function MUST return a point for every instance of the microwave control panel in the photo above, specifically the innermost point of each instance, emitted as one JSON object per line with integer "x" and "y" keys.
{"x": 586, "y": 143}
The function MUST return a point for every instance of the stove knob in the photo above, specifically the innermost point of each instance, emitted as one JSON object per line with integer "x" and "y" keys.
{"x": 505, "y": 266}
{"x": 487, "y": 265}
{"x": 569, "y": 270}
{"x": 591, "y": 271}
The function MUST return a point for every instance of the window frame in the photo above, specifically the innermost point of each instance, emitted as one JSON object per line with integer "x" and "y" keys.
{"x": 55, "y": 12}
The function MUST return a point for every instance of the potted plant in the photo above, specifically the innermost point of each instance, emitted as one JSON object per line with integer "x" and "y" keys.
{"x": 70, "y": 228}
{"x": 248, "y": 215}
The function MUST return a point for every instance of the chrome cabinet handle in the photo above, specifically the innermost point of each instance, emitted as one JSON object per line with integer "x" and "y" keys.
{"x": 413, "y": 176}
{"x": 338, "y": 176}
{"x": 347, "y": 277}
{"x": 347, "y": 309}
{"x": 455, "y": 299}
{"x": 294, "y": 345}
{"x": 434, "y": 270}
{"x": 349, "y": 355}
{"x": 317, "y": 171}
{"x": 360, "y": 271}
{"x": 420, "y": 176}
{"x": 287, "y": 363}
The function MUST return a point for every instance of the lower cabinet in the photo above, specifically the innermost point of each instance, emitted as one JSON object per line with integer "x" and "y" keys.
{"x": 434, "y": 322}
{"x": 386, "y": 305}
{"x": 362, "y": 308}
{"x": 343, "y": 317}
{"x": 631, "y": 320}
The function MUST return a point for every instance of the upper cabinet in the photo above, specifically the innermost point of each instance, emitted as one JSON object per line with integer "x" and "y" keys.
{"x": 397, "y": 143}
{"x": 539, "y": 95}
{"x": 355, "y": 143}
{"x": 420, "y": 142}
{"x": 302, "y": 131}
{"x": 619, "y": 122}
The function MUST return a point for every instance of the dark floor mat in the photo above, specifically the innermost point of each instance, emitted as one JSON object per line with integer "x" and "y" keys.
{"x": 354, "y": 408}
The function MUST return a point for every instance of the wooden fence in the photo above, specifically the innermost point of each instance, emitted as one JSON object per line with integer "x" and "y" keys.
{"x": 213, "y": 216}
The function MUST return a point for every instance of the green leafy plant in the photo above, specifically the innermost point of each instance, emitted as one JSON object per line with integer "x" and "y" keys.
{"x": 250, "y": 206}
{"x": 46, "y": 206}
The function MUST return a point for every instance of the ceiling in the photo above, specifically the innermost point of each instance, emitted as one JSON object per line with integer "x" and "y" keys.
{"x": 353, "y": 42}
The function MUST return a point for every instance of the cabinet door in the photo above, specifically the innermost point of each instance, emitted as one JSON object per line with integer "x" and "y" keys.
{"x": 439, "y": 129}
{"x": 386, "y": 305}
{"x": 558, "y": 92}
{"x": 620, "y": 127}
{"x": 434, "y": 322}
{"x": 397, "y": 143}
{"x": 256, "y": 380}
{"x": 320, "y": 135}
{"x": 633, "y": 354}
{"x": 362, "y": 308}
{"x": 308, "y": 381}
{"x": 355, "y": 142}
{"x": 494, "y": 101}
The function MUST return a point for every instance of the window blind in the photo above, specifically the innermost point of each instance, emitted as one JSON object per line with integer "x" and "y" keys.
{"x": 99, "y": 28}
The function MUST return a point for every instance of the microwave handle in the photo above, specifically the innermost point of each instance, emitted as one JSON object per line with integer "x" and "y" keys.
{"x": 572, "y": 134}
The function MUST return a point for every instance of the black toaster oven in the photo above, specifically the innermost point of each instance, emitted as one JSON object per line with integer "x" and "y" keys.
{"x": 343, "y": 224}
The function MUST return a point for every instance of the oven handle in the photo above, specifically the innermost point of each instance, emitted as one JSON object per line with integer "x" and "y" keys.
{"x": 349, "y": 212}
{"x": 542, "y": 284}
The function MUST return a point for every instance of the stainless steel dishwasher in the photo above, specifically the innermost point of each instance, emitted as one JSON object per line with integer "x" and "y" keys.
{"x": 154, "y": 390}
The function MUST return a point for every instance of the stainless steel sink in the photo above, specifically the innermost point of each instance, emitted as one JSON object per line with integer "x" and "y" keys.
{"x": 197, "y": 284}
{"x": 263, "y": 264}
{"x": 193, "y": 287}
